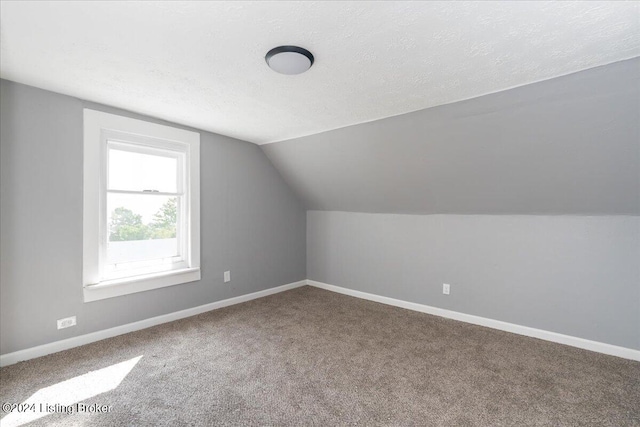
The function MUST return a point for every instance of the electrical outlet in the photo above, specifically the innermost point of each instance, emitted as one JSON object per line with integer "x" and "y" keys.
{"x": 227, "y": 276}
{"x": 445, "y": 288}
{"x": 66, "y": 322}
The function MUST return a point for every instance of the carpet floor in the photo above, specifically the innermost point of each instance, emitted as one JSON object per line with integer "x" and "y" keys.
{"x": 313, "y": 357}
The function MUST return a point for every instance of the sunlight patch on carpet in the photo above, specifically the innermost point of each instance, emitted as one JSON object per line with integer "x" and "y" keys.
{"x": 63, "y": 396}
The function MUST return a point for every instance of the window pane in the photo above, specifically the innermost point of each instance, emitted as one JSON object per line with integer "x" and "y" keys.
{"x": 138, "y": 172}
{"x": 141, "y": 227}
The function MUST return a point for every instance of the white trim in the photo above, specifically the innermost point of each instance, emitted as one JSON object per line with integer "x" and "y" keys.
{"x": 54, "y": 347}
{"x": 137, "y": 133}
{"x": 133, "y": 284}
{"x": 599, "y": 347}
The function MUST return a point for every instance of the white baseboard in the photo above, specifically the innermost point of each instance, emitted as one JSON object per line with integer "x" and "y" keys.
{"x": 54, "y": 347}
{"x": 599, "y": 347}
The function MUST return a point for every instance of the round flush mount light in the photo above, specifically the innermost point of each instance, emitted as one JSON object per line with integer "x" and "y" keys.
{"x": 289, "y": 59}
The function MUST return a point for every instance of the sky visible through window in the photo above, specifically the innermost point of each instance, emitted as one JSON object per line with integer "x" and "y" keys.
{"x": 139, "y": 172}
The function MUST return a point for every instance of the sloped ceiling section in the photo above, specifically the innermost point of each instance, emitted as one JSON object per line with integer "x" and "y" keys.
{"x": 569, "y": 145}
{"x": 201, "y": 63}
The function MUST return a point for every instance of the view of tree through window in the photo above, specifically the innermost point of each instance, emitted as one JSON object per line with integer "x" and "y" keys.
{"x": 127, "y": 225}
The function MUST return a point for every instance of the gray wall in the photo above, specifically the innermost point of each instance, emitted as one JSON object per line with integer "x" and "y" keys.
{"x": 575, "y": 275}
{"x": 483, "y": 178}
{"x": 569, "y": 145}
{"x": 252, "y": 224}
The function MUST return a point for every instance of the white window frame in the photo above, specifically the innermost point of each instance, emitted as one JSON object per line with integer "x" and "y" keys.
{"x": 101, "y": 129}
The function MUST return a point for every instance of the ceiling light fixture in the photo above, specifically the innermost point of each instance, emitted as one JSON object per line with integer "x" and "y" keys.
{"x": 289, "y": 59}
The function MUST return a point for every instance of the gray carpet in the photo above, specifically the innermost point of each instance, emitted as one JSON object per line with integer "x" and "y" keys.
{"x": 313, "y": 357}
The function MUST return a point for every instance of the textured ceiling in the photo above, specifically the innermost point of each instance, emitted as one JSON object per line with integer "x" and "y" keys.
{"x": 202, "y": 63}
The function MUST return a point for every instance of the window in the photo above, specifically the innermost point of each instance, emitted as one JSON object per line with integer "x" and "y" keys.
{"x": 141, "y": 206}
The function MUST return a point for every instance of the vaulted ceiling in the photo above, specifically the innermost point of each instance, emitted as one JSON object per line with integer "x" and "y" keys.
{"x": 410, "y": 107}
{"x": 202, "y": 63}
{"x": 565, "y": 146}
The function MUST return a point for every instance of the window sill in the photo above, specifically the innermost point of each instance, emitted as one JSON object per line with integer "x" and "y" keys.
{"x": 130, "y": 285}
